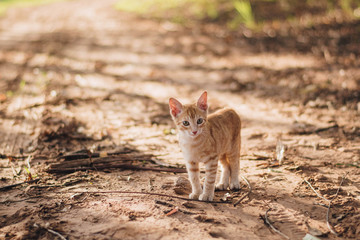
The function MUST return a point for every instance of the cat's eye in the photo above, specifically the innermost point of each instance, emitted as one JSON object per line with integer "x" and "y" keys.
{"x": 186, "y": 123}
{"x": 200, "y": 121}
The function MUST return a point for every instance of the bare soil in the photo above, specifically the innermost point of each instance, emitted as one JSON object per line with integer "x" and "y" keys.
{"x": 81, "y": 76}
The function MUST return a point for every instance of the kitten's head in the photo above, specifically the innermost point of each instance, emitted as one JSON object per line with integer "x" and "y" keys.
{"x": 190, "y": 119}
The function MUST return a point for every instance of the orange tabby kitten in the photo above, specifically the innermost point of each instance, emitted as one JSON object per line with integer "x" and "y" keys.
{"x": 208, "y": 139}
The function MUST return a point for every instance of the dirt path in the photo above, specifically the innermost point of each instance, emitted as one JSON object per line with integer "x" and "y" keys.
{"x": 79, "y": 75}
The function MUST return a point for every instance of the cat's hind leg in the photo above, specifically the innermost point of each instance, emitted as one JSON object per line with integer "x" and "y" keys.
{"x": 234, "y": 164}
{"x": 225, "y": 174}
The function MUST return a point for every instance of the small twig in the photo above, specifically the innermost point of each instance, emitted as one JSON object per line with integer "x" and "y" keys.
{"x": 175, "y": 210}
{"x": 147, "y": 193}
{"x": 151, "y": 186}
{"x": 272, "y": 227}
{"x": 51, "y": 231}
{"x": 47, "y": 186}
{"x": 329, "y": 204}
{"x": 337, "y": 192}
{"x": 247, "y": 194}
{"x": 326, "y": 128}
{"x": 316, "y": 191}
{"x": 164, "y": 203}
{"x": 321, "y": 204}
{"x": 311, "y": 131}
{"x": 18, "y": 184}
{"x": 28, "y": 162}
{"x": 56, "y": 233}
{"x": 259, "y": 157}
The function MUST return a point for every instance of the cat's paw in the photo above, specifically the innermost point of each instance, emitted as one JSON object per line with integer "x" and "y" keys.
{"x": 194, "y": 195}
{"x": 221, "y": 186}
{"x": 206, "y": 197}
{"x": 235, "y": 186}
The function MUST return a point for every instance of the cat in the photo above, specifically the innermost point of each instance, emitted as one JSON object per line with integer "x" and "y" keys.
{"x": 208, "y": 139}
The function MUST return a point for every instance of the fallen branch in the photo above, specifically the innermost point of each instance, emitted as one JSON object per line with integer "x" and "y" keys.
{"x": 311, "y": 129}
{"x": 329, "y": 203}
{"x": 82, "y": 161}
{"x": 122, "y": 166}
{"x": 247, "y": 194}
{"x": 87, "y": 154}
{"x": 348, "y": 165}
{"x": 272, "y": 227}
{"x": 258, "y": 157}
{"x": 18, "y": 184}
{"x": 145, "y": 193}
{"x": 4, "y": 156}
{"x": 101, "y": 161}
{"x": 326, "y": 128}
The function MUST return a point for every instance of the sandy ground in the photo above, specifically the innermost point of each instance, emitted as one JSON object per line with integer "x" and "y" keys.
{"x": 79, "y": 75}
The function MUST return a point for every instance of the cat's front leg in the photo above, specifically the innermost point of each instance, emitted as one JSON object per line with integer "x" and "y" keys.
{"x": 194, "y": 177}
{"x": 210, "y": 176}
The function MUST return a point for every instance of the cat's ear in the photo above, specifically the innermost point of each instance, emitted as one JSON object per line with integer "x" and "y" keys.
{"x": 202, "y": 102}
{"x": 175, "y": 107}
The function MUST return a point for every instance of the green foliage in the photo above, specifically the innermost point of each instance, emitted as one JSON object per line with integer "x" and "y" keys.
{"x": 235, "y": 12}
{"x": 22, "y": 84}
{"x": 349, "y": 5}
{"x": 178, "y": 10}
{"x": 245, "y": 14}
{"x": 145, "y": 6}
{"x": 5, "y": 4}
{"x": 183, "y": 10}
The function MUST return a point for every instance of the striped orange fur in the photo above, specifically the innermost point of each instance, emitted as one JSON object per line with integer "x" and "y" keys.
{"x": 208, "y": 139}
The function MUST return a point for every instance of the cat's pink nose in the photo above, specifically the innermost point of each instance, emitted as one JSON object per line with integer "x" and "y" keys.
{"x": 194, "y": 132}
